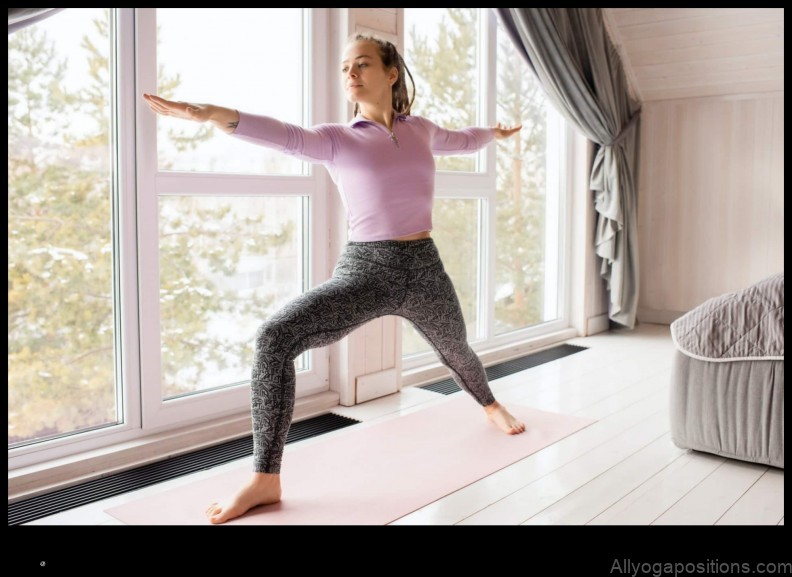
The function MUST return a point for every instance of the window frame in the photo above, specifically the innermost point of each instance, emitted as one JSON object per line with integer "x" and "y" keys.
{"x": 234, "y": 398}
{"x": 142, "y": 412}
{"x": 127, "y": 367}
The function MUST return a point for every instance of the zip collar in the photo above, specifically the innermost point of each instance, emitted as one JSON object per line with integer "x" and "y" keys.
{"x": 360, "y": 119}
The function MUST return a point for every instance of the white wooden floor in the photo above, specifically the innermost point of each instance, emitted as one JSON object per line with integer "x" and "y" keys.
{"x": 621, "y": 470}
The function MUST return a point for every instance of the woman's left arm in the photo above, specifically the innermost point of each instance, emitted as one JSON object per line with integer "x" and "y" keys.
{"x": 460, "y": 141}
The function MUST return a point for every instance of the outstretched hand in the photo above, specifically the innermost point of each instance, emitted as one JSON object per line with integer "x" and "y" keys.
{"x": 185, "y": 110}
{"x": 505, "y": 131}
{"x": 226, "y": 119}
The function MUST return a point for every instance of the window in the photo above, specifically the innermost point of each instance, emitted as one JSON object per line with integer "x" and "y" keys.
{"x": 62, "y": 251}
{"x": 498, "y": 214}
{"x": 227, "y": 212}
{"x": 145, "y": 252}
{"x": 243, "y": 74}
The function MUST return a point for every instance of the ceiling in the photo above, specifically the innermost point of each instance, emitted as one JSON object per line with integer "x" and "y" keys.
{"x": 692, "y": 52}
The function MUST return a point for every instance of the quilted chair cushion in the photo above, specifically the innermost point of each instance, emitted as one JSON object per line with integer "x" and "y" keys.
{"x": 742, "y": 325}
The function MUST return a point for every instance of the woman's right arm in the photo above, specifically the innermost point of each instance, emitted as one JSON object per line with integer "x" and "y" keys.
{"x": 226, "y": 119}
{"x": 313, "y": 145}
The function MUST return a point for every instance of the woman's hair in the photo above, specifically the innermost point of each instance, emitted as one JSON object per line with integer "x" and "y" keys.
{"x": 402, "y": 103}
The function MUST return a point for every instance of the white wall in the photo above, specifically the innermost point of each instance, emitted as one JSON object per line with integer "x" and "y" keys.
{"x": 588, "y": 306}
{"x": 711, "y": 199}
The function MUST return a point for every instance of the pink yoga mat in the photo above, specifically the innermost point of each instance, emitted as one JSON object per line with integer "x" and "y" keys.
{"x": 369, "y": 475}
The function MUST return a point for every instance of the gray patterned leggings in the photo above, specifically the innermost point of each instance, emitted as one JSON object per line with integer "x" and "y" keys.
{"x": 371, "y": 279}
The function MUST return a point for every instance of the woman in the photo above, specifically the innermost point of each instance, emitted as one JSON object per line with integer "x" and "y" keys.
{"x": 382, "y": 163}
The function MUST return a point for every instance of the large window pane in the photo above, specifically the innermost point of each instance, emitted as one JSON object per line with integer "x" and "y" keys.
{"x": 246, "y": 58}
{"x": 456, "y": 233}
{"x": 60, "y": 237}
{"x": 442, "y": 52}
{"x": 523, "y": 226}
{"x": 226, "y": 264}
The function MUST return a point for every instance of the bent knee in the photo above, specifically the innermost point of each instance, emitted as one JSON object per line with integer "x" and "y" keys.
{"x": 270, "y": 336}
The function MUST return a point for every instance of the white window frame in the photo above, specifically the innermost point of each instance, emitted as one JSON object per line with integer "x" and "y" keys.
{"x": 482, "y": 185}
{"x": 227, "y": 399}
{"x": 127, "y": 358}
{"x": 136, "y": 251}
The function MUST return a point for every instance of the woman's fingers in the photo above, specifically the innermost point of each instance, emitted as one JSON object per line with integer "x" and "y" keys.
{"x": 158, "y": 105}
{"x": 165, "y": 107}
{"x": 156, "y": 102}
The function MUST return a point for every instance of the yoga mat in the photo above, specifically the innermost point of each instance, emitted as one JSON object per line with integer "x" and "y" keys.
{"x": 369, "y": 475}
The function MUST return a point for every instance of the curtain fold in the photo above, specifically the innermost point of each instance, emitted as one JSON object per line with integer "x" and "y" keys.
{"x": 19, "y": 18}
{"x": 580, "y": 69}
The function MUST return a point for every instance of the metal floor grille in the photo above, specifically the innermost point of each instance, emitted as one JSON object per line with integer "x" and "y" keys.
{"x": 125, "y": 481}
{"x": 448, "y": 386}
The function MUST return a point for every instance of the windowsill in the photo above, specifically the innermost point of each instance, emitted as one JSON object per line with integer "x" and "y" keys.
{"x": 60, "y": 473}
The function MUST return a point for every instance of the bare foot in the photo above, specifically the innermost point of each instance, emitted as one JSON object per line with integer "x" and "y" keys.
{"x": 498, "y": 414}
{"x": 262, "y": 489}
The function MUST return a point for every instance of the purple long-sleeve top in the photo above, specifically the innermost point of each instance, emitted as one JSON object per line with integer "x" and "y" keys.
{"x": 386, "y": 182}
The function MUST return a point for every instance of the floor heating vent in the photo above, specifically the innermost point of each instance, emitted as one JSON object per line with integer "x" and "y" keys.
{"x": 448, "y": 386}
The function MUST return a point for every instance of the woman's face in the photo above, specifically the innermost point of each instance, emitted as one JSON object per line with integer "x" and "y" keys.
{"x": 366, "y": 81}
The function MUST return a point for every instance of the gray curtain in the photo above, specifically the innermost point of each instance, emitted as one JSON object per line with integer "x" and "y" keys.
{"x": 18, "y": 18}
{"x": 582, "y": 74}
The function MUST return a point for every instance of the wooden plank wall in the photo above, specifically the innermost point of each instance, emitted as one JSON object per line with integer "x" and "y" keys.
{"x": 711, "y": 199}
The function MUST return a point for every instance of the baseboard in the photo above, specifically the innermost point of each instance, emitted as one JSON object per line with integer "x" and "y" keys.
{"x": 373, "y": 385}
{"x": 659, "y": 317}
{"x": 597, "y": 324}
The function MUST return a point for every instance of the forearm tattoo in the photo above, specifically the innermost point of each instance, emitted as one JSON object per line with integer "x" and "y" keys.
{"x": 233, "y": 124}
